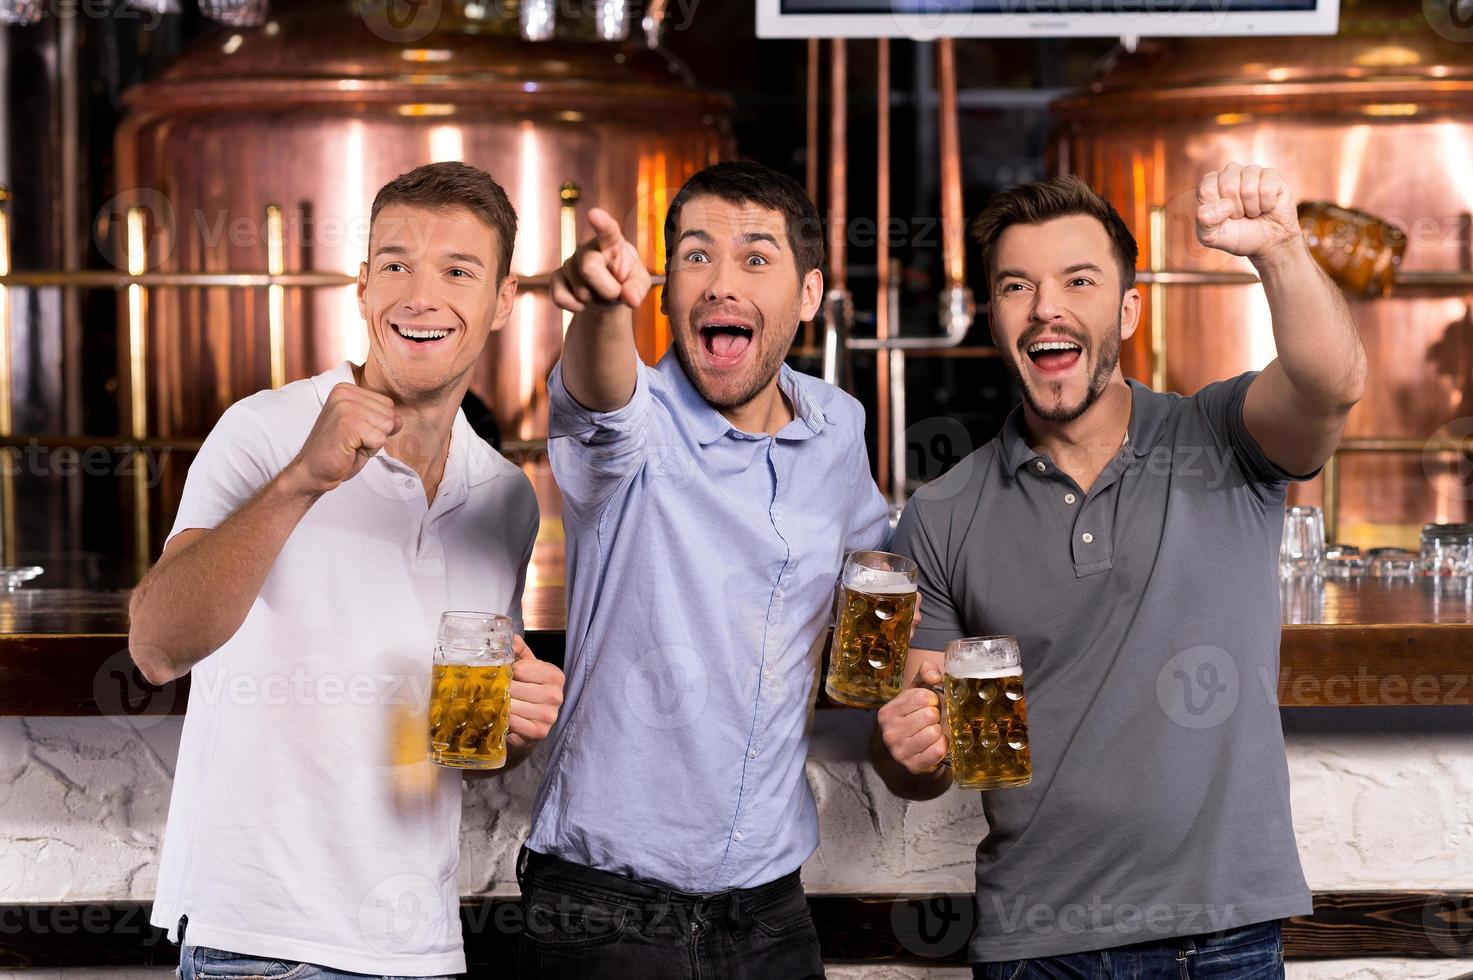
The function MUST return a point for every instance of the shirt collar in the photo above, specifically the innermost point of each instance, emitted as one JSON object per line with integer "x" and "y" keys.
{"x": 1147, "y": 413}
{"x": 709, "y": 425}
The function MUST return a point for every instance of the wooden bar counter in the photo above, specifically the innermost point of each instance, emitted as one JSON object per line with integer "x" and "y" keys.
{"x": 1356, "y": 642}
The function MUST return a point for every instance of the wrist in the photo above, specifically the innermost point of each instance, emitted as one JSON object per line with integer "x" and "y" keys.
{"x": 296, "y": 485}
{"x": 1284, "y": 255}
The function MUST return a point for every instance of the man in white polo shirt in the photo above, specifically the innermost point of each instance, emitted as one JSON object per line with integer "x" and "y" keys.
{"x": 323, "y": 529}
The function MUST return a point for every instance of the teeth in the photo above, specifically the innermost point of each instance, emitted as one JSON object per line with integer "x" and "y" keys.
{"x": 1053, "y": 345}
{"x": 414, "y": 334}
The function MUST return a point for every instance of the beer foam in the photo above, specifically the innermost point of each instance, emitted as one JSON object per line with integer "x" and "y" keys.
{"x": 983, "y": 674}
{"x": 877, "y": 581}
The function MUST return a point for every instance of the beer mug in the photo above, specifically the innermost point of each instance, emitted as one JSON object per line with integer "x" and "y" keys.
{"x": 986, "y": 713}
{"x": 470, "y": 697}
{"x": 877, "y": 603}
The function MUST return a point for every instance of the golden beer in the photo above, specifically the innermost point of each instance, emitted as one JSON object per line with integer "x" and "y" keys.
{"x": 469, "y": 711}
{"x": 877, "y": 603}
{"x": 986, "y": 713}
{"x": 470, "y": 696}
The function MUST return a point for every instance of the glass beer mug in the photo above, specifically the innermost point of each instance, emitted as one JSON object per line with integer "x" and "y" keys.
{"x": 470, "y": 697}
{"x": 877, "y": 603}
{"x": 986, "y": 713}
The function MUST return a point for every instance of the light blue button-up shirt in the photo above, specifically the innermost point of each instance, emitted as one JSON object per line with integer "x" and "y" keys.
{"x": 701, "y": 569}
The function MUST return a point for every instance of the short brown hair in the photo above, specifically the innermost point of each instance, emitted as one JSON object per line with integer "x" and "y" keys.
{"x": 745, "y": 182}
{"x": 1044, "y": 200}
{"x": 451, "y": 184}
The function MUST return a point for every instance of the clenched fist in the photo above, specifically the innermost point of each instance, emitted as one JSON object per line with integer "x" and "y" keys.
{"x": 536, "y": 695}
{"x": 605, "y": 270}
{"x": 1245, "y": 211}
{"x": 910, "y": 724}
{"x": 352, "y": 427}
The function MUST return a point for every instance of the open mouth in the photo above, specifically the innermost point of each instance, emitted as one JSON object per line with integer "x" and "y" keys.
{"x": 725, "y": 340}
{"x": 1054, "y": 355}
{"x": 421, "y": 334}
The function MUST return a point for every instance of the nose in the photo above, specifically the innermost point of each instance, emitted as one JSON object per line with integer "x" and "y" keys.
{"x": 1046, "y": 305}
{"x": 721, "y": 283}
{"x": 419, "y": 295}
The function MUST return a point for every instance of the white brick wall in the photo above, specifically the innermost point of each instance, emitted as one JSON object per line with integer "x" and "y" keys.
{"x": 83, "y": 802}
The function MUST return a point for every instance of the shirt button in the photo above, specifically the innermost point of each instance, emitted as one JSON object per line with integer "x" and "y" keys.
{"x": 1041, "y": 466}
{"x": 1068, "y": 498}
{"x": 752, "y": 754}
{"x": 767, "y": 672}
{"x": 1087, "y": 538}
{"x": 738, "y": 835}
{"x": 409, "y": 483}
{"x": 778, "y": 594}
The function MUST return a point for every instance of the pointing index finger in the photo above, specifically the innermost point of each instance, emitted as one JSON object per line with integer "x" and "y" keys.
{"x": 607, "y": 229}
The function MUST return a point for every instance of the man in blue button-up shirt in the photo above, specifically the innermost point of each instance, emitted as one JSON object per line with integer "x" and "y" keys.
{"x": 708, "y": 505}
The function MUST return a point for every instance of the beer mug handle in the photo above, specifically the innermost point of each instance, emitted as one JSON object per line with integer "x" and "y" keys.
{"x": 945, "y": 762}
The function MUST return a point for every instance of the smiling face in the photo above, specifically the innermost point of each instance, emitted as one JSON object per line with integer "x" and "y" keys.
{"x": 734, "y": 297}
{"x": 1058, "y": 313}
{"x": 429, "y": 295}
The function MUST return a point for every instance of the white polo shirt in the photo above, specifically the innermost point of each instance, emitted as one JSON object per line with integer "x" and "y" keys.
{"x": 306, "y": 822}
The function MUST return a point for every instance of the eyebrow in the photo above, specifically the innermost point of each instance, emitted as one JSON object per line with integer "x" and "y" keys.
{"x": 1020, "y": 274}
{"x": 464, "y": 257}
{"x": 747, "y": 239}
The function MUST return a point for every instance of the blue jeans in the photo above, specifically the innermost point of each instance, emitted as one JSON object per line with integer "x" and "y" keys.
{"x": 204, "y": 963}
{"x": 1253, "y": 952}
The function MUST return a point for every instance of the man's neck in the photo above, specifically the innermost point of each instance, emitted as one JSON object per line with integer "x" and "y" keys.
{"x": 423, "y": 440}
{"x": 768, "y": 412}
{"x": 1082, "y": 448}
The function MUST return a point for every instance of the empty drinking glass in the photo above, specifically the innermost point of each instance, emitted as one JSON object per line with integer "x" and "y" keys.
{"x": 1302, "y": 550}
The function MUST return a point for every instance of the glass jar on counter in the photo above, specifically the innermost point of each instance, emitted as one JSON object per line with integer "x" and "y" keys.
{"x": 1447, "y": 549}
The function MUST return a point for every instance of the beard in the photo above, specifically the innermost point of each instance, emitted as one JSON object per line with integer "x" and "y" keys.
{"x": 1099, "y": 379}
{"x": 761, "y": 369}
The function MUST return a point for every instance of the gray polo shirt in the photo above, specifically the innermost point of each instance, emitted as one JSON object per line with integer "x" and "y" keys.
{"x": 1147, "y": 614}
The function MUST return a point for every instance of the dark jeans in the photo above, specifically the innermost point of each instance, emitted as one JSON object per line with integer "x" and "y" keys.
{"x": 583, "y": 923}
{"x": 1253, "y": 952}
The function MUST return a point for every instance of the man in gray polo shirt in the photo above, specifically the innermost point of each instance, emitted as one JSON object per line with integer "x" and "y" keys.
{"x": 1128, "y": 538}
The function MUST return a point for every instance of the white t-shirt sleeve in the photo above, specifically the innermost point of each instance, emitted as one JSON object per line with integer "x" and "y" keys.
{"x": 232, "y": 466}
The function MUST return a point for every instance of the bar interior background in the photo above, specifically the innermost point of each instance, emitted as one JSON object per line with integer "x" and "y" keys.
{"x": 185, "y": 205}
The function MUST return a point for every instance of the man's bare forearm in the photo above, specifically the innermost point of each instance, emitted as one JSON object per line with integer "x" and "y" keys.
{"x": 900, "y": 781}
{"x": 599, "y": 357}
{"x": 1318, "y": 345}
{"x": 195, "y": 599}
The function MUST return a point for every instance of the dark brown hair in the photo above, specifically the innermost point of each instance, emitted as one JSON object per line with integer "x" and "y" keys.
{"x": 745, "y": 182}
{"x": 1044, "y": 200}
{"x": 451, "y": 184}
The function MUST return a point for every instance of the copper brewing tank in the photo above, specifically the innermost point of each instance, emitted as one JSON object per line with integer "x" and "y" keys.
{"x": 1378, "y": 117}
{"x": 318, "y": 108}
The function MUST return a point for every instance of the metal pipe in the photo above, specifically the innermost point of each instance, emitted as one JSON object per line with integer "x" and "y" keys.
{"x": 7, "y": 477}
{"x": 897, "y": 401}
{"x": 956, "y": 306}
{"x": 884, "y": 422}
{"x": 811, "y": 121}
{"x": 99, "y": 279}
{"x": 1156, "y": 290}
{"x": 137, "y": 380}
{"x": 276, "y": 293}
{"x": 838, "y": 310}
{"x": 1332, "y": 497}
{"x": 568, "y": 196}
